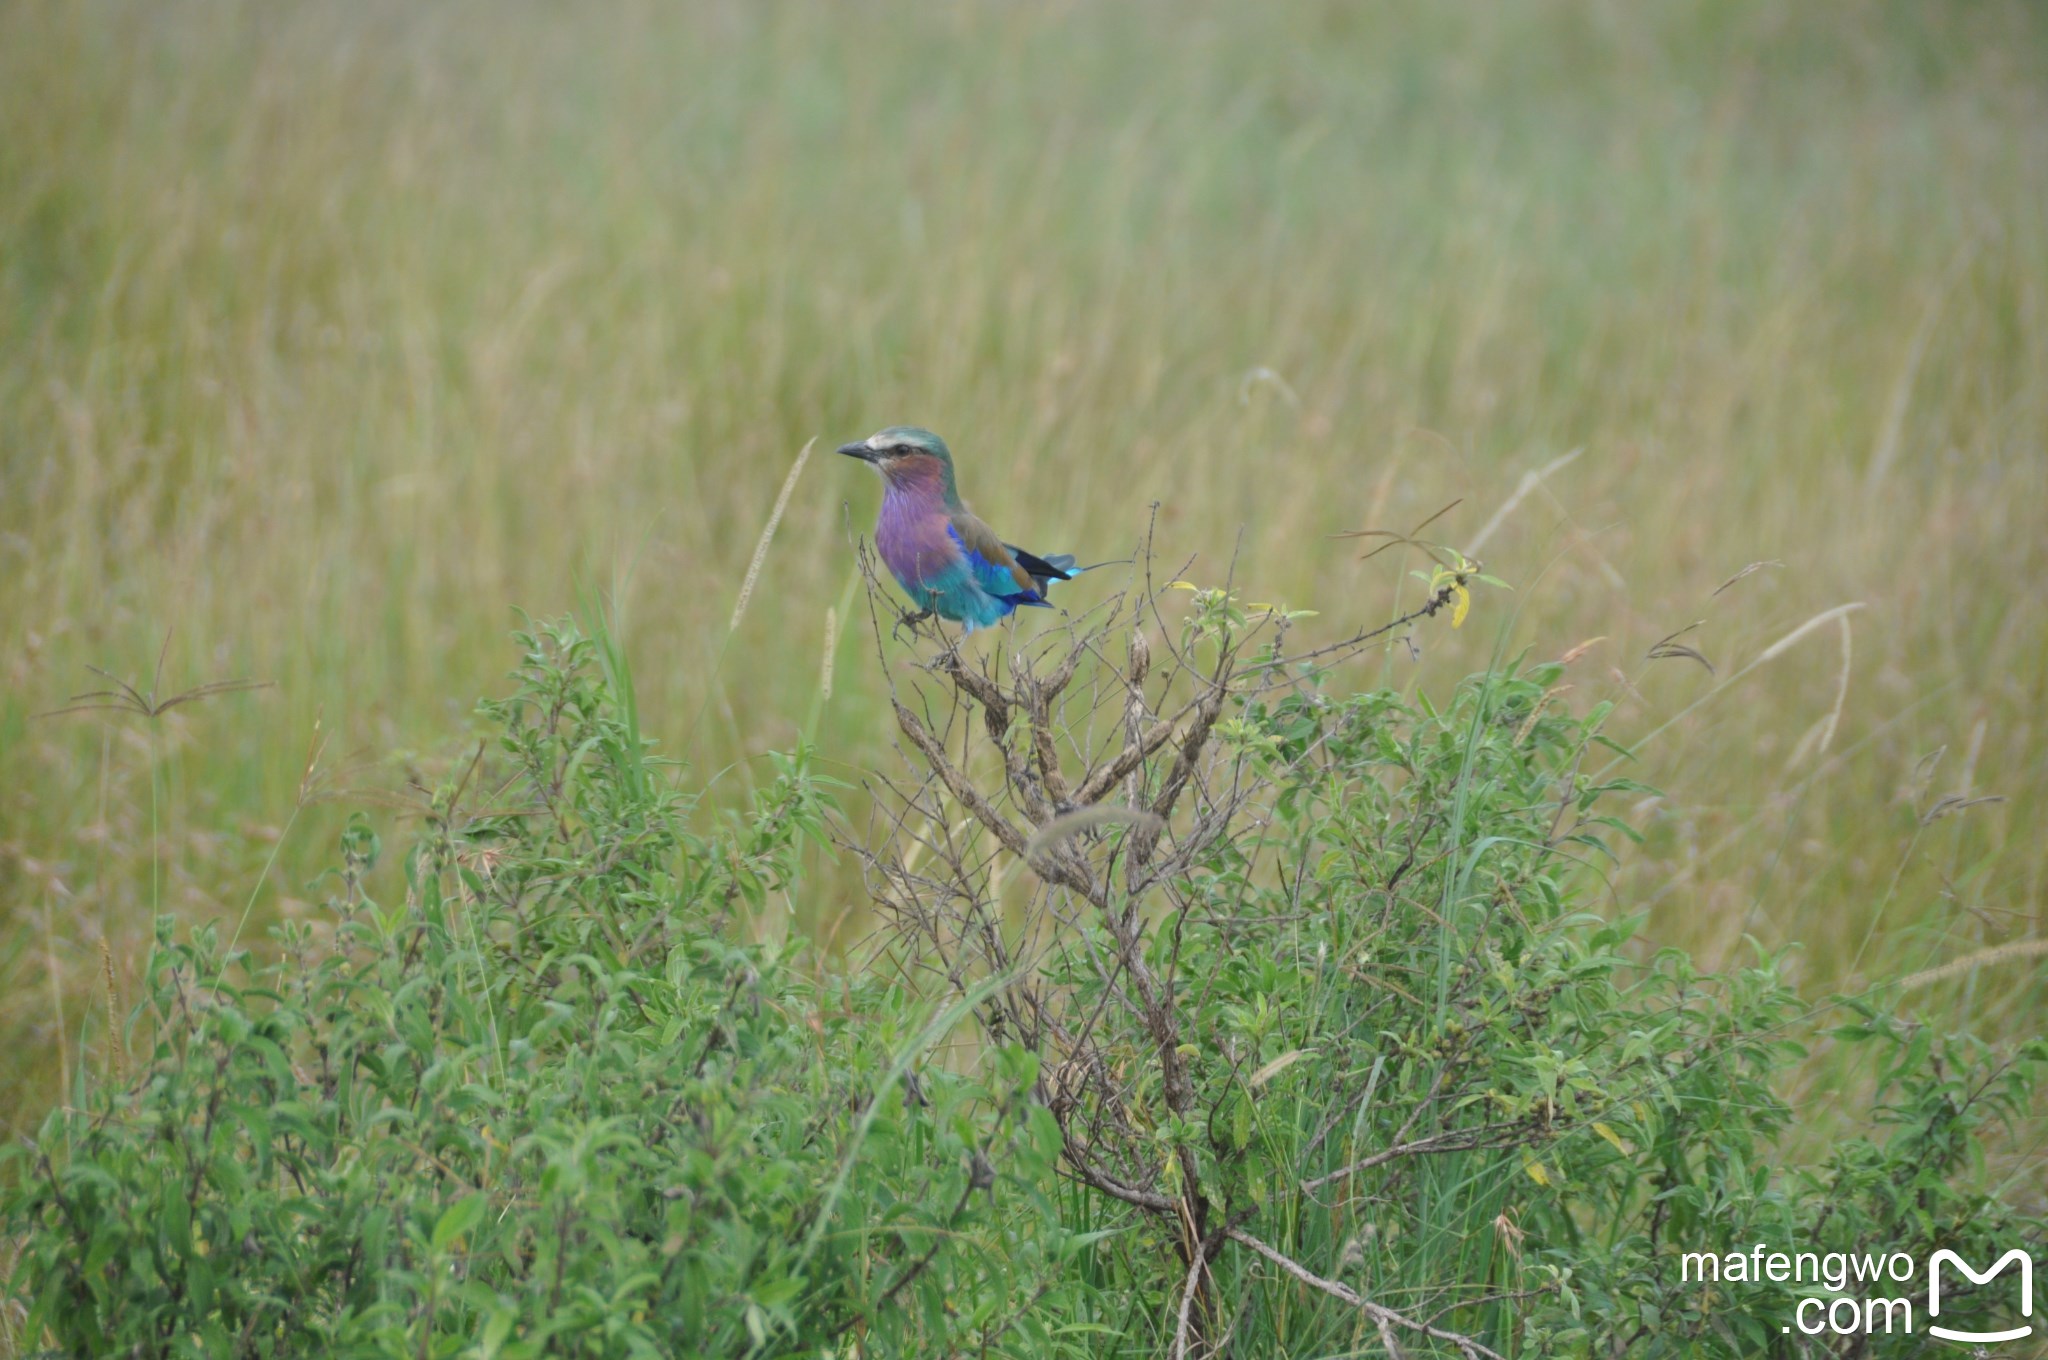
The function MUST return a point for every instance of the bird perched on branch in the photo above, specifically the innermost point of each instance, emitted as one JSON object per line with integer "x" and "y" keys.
{"x": 946, "y": 560}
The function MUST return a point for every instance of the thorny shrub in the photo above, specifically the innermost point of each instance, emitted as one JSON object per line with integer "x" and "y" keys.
{"x": 1349, "y": 1053}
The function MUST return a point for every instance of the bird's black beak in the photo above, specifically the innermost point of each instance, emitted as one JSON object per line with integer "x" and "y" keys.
{"x": 859, "y": 450}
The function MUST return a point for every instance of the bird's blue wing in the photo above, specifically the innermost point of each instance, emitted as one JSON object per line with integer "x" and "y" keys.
{"x": 998, "y": 578}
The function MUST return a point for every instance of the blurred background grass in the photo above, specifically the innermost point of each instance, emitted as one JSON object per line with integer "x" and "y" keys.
{"x": 330, "y": 332}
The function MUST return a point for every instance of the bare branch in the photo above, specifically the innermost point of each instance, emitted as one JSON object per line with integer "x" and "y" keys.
{"x": 1381, "y": 1315}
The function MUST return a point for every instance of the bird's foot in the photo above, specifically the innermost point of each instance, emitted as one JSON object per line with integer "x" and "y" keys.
{"x": 913, "y": 621}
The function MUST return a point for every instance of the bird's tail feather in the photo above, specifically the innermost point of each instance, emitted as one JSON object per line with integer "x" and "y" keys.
{"x": 1059, "y": 566}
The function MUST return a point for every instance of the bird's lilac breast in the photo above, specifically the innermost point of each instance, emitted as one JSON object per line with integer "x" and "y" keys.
{"x": 914, "y": 539}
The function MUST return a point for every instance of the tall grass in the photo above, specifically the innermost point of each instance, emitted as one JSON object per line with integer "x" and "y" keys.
{"x": 329, "y": 331}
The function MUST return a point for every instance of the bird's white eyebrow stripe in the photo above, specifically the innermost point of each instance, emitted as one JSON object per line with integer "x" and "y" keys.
{"x": 874, "y": 441}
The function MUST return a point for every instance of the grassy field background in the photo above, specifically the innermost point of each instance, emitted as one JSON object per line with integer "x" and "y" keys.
{"x": 331, "y": 333}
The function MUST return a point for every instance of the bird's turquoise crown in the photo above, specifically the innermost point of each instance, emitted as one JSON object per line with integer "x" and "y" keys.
{"x": 922, "y": 440}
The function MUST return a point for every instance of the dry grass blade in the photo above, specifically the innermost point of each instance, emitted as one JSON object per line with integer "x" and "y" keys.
{"x": 1822, "y": 734}
{"x": 156, "y": 677}
{"x": 1769, "y": 654}
{"x": 1269, "y": 377}
{"x": 1784, "y": 644}
{"x": 1890, "y": 437}
{"x": 1069, "y": 825}
{"x": 1975, "y": 749}
{"x": 128, "y": 701}
{"x": 739, "y": 609}
{"x": 2018, "y": 949}
{"x": 1277, "y": 1066}
{"x": 825, "y": 662}
{"x": 1408, "y": 539}
{"x": 124, "y": 697}
{"x": 1574, "y": 653}
{"x": 79, "y": 707}
{"x": 1954, "y": 803}
{"x": 1530, "y": 481}
{"x": 1750, "y": 570}
{"x": 210, "y": 689}
{"x": 1669, "y": 646}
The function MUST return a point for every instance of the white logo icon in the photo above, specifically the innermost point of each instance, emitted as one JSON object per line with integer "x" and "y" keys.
{"x": 1980, "y": 1338}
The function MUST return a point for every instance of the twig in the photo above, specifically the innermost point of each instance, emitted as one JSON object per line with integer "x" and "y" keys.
{"x": 1381, "y": 1315}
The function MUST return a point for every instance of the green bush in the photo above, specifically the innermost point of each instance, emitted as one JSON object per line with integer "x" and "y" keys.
{"x": 542, "y": 1106}
{"x": 1303, "y": 1037}
{"x": 1338, "y": 1042}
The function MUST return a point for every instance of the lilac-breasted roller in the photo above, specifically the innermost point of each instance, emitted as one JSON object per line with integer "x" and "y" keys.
{"x": 946, "y": 560}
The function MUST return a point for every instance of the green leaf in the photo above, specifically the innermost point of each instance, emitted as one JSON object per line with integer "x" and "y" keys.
{"x": 456, "y": 1220}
